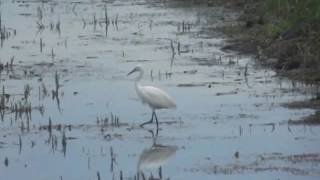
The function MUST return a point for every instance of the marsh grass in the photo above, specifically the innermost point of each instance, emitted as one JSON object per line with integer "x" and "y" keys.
{"x": 292, "y": 15}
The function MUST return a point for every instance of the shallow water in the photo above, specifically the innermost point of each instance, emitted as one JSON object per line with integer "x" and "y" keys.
{"x": 226, "y": 125}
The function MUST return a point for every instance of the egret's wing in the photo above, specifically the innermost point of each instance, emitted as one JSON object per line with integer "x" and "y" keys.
{"x": 156, "y": 97}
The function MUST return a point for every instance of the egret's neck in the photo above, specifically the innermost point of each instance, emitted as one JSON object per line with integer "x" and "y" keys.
{"x": 137, "y": 83}
{"x": 139, "y": 77}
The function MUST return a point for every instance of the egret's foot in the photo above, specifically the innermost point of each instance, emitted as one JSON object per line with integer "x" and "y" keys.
{"x": 154, "y": 135}
{"x": 148, "y": 122}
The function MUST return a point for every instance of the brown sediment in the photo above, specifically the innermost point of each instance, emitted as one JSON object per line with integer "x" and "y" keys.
{"x": 313, "y": 119}
{"x": 292, "y": 52}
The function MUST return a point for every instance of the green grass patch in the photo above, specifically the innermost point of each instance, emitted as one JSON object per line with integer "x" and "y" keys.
{"x": 291, "y": 12}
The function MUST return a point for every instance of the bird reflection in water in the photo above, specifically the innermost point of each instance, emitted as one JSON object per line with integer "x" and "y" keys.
{"x": 155, "y": 156}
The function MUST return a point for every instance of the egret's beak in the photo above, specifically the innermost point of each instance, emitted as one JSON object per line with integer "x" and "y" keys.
{"x": 134, "y": 70}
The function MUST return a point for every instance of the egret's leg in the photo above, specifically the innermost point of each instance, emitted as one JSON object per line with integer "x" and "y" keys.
{"x": 157, "y": 132}
{"x": 148, "y": 122}
{"x": 155, "y": 115}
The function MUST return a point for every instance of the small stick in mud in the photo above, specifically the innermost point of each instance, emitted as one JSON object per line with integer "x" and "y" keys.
{"x": 39, "y": 13}
{"x": 20, "y": 144}
{"x": 28, "y": 121}
{"x": 41, "y": 44}
{"x": 44, "y": 90}
{"x": 2, "y": 103}
{"x": 11, "y": 61}
{"x": 94, "y": 23}
{"x": 106, "y": 20}
{"x": 98, "y": 175}
{"x": 112, "y": 122}
{"x": 259, "y": 54}
{"x": 39, "y": 93}
{"x": 246, "y": 70}
{"x": 121, "y": 175}
{"x": 52, "y": 55}
{"x": 50, "y": 127}
{"x": 84, "y": 23}
{"x": 117, "y": 121}
{"x": 236, "y": 155}
{"x": 183, "y": 26}
{"x": 150, "y": 25}
{"x": 116, "y": 22}
{"x": 56, "y": 77}
{"x": 58, "y": 27}
{"x": 160, "y": 172}
{"x": 189, "y": 26}
{"x": 6, "y": 162}
{"x": 113, "y": 159}
{"x": 66, "y": 43}
{"x": 151, "y": 75}
{"x": 240, "y": 130}
{"x": 51, "y": 26}
{"x": 41, "y": 27}
{"x": 64, "y": 143}
{"x": 317, "y": 92}
{"x": 143, "y": 176}
{"x": 27, "y": 91}
{"x": 2, "y": 35}
{"x": 22, "y": 126}
{"x": 172, "y": 48}
{"x": 88, "y": 162}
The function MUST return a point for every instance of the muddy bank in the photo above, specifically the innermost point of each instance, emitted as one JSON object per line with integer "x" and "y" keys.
{"x": 290, "y": 47}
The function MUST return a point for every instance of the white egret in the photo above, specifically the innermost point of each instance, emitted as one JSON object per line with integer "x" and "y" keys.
{"x": 152, "y": 96}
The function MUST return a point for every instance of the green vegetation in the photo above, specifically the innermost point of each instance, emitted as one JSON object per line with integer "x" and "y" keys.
{"x": 285, "y": 34}
{"x": 295, "y": 10}
{"x": 292, "y": 32}
{"x": 289, "y": 13}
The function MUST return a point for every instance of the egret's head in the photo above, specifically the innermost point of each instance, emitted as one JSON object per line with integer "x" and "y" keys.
{"x": 136, "y": 69}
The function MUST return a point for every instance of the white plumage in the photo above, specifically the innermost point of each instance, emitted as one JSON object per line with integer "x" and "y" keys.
{"x": 152, "y": 96}
{"x": 155, "y": 97}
